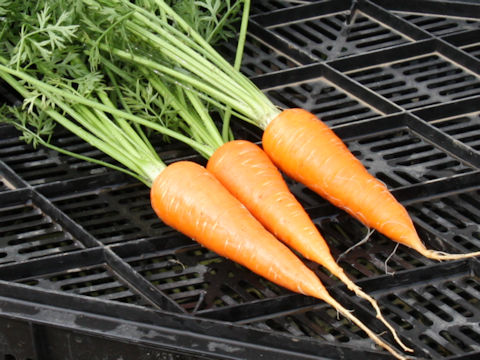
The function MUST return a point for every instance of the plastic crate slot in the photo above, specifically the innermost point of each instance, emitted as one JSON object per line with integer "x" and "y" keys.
{"x": 429, "y": 216}
{"x": 270, "y": 5}
{"x": 438, "y": 74}
{"x": 459, "y": 125}
{"x": 452, "y": 80}
{"x": 466, "y": 212}
{"x": 228, "y": 296}
{"x": 343, "y": 325}
{"x": 325, "y": 28}
{"x": 258, "y": 58}
{"x": 439, "y": 25}
{"x": 321, "y": 327}
{"x": 471, "y": 334}
{"x": 409, "y": 151}
{"x": 327, "y": 102}
{"x": 435, "y": 345}
{"x": 408, "y": 158}
{"x": 424, "y": 159}
{"x": 394, "y": 143}
{"x": 92, "y": 281}
{"x": 465, "y": 90}
{"x": 251, "y": 290}
{"x": 296, "y": 35}
{"x": 473, "y": 50}
{"x": 39, "y": 245}
{"x": 328, "y": 36}
{"x": 465, "y": 242}
{"x": 26, "y": 232}
{"x": 12, "y": 147}
{"x": 115, "y": 215}
{"x": 474, "y": 285}
{"x": 305, "y": 325}
{"x": 440, "y": 296}
{"x": 420, "y": 64}
{"x": 466, "y": 291}
{"x": 412, "y": 309}
{"x": 419, "y": 76}
{"x": 427, "y": 303}
{"x": 381, "y": 39}
{"x": 392, "y": 182}
{"x": 300, "y": 326}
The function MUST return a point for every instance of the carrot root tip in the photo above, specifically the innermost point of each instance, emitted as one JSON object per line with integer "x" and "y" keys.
{"x": 442, "y": 256}
{"x": 348, "y": 314}
{"x": 380, "y": 317}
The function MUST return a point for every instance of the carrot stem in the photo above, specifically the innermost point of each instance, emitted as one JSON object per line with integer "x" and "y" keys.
{"x": 237, "y": 63}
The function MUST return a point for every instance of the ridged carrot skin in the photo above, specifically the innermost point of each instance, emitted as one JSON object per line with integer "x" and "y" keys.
{"x": 187, "y": 197}
{"x": 308, "y": 151}
{"x": 249, "y": 174}
{"x": 190, "y": 199}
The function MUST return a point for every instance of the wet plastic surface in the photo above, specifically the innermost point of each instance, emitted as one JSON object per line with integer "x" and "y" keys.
{"x": 85, "y": 264}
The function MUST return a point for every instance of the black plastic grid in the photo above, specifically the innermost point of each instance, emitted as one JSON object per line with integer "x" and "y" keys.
{"x": 32, "y": 228}
{"x": 85, "y": 260}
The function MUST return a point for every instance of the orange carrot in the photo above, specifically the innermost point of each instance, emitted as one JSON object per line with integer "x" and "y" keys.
{"x": 308, "y": 151}
{"x": 189, "y": 198}
{"x": 258, "y": 184}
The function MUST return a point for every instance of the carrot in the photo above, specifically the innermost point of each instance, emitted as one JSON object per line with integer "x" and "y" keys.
{"x": 310, "y": 152}
{"x": 257, "y": 183}
{"x": 307, "y": 150}
{"x": 189, "y": 198}
{"x": 185, "y": 195}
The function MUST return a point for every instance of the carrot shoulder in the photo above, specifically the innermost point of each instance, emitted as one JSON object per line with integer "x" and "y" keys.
{"x": 310, "y": 152}
{"x": 249, "y": 174}
{"x": 190, "y": 199}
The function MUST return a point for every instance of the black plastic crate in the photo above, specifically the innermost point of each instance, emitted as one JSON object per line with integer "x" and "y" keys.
{"x": 87, "y": 271}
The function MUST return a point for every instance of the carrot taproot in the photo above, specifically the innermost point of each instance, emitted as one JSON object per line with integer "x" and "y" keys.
{"x": 249, "y": 174}
{"x": 189, "y": 198}
{"x": 307, "y": 150}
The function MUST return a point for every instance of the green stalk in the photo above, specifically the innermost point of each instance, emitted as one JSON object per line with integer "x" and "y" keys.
{"x": 109, "y": 147}
{"x": 224, "y": 18}
{"x": 190, "y": 37}
{"x": 138, "y": 129}
{"x": 208, "y": 49}
{"x": 80, "y": 156}
{"x": 237, "y": 63}
{"x": 182, "y": 78}
{"x": 184, "y": 112}
{"x": 187, "y": 58}
{"x": 146, "y": 170}
{"x": 126, "y": 76}
{"x": 96, "y": 105}
{"x": 181, "y": 53}
{"x": 113, "y": 134}
{"x": 131, "y": 135}
{"x": 127, "y": 136}
{"x": 265, "y": 111}
{"x": 216, "y": 140}
{"x": 261, "y": 113}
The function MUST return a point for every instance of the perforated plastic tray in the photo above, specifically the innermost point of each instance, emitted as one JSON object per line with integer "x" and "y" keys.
{"x": 87, "y": 271}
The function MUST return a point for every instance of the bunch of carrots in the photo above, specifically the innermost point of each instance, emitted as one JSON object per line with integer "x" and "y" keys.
{"x": 112, "y": 71}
